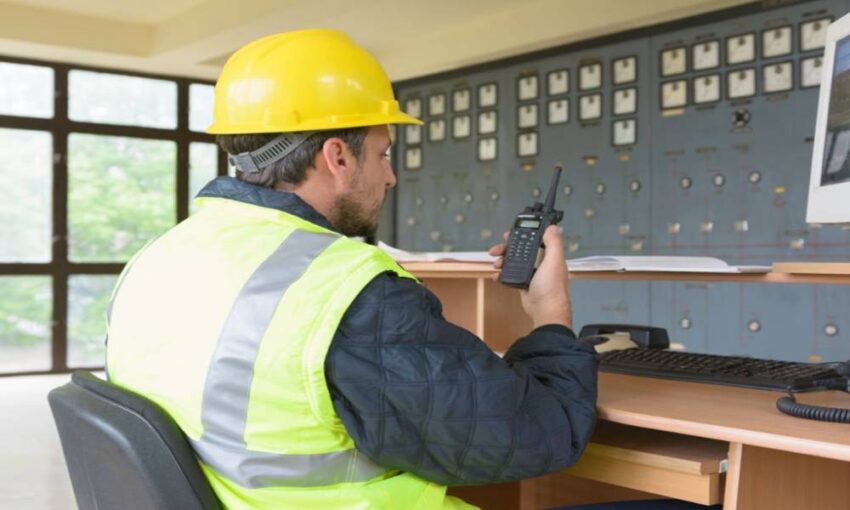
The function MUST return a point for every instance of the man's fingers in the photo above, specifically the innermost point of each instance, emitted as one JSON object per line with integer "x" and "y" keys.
{"x": 554, "y": 245}
{"x": 497, "y": 250}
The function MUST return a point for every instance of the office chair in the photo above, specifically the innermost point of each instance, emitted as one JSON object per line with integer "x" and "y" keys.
{"x": 123, "y": 451}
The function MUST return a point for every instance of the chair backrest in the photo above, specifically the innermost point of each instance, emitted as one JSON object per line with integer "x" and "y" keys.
{"x": 123, "y": 451}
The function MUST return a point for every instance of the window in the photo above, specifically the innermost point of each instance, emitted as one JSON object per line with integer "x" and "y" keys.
{"x": 88, "y": 298}
{"x": 26, "y": 90}
{"x": 81, "y": 192}
{"x": 115, "y": 99}
{"x": 26, "y": 181}
{"x": 203, "y": 167}
{"x": 121, "y": 194}
{"x": 200, "y": 106}
{"x": 25, "y": 323}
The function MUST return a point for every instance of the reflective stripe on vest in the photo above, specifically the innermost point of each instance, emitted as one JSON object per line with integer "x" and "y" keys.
{"x": 227, "y": 388}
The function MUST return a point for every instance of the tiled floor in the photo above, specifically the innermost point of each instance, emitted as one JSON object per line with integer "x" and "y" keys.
{"x": 32, "y": 469}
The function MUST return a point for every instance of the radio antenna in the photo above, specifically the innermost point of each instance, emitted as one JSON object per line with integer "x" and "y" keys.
{"x": 553, "y": 189}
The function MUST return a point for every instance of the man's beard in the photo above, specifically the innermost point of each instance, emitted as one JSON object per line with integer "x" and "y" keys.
{"x": 352, "y": 220}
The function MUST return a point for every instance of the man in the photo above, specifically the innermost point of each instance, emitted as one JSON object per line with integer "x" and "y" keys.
{"x": 308, "y": 369}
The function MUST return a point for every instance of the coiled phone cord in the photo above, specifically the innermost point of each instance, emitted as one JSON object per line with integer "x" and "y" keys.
{"x": 790, "y": 406}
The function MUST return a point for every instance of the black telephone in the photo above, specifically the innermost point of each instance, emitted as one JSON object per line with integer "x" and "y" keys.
{"x": 647, "y": 337}
{"x": 526, "y": 238}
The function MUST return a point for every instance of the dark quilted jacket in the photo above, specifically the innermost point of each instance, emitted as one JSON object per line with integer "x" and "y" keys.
{"x": 420, "y": 394}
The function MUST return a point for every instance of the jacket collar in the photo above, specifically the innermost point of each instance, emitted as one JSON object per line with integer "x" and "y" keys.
{"x": 234, "y": 189}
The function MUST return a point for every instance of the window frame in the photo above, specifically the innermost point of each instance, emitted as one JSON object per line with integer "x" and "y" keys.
{"x": 60, "y": 269}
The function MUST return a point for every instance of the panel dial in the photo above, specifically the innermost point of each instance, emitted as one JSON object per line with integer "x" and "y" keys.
{"x": 741, "y": 83}
{"x": 558, "y": 82}
{"x": 706, "y": 55}
{"x": 813, "y": 34}
{"x": 625, "y": 70}
{"x": 590, "y": 76}
{"x": 674, "y": 94}
{"x": 741, "y": 48}
{"x": 590, "y": 107}
{"x": 625, "y": 101}
{"x": 674, "y": 61}
{"x": 776, "y": 42}
{"x": 778, "y": 77}
{"x": 707, "y": 89}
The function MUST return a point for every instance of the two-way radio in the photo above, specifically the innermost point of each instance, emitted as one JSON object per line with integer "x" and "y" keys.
{"x": 526, "y": 238}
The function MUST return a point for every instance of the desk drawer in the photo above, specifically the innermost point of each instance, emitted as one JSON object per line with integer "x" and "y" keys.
{"x": 662, "y": 463}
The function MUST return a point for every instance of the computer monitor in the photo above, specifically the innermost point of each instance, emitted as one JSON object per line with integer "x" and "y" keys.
{"x": 829, "y": 185}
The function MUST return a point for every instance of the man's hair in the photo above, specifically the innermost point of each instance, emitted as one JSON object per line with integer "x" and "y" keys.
{"x": 292, "y": 169}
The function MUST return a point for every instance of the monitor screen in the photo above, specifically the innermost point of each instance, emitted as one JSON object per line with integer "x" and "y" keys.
{"x": 836, "y": 158}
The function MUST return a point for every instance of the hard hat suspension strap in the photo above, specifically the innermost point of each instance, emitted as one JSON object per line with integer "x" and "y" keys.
{"x": 275, "y": 150}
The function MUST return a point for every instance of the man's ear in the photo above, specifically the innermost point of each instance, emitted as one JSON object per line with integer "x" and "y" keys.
{"x": 338, "y": 159}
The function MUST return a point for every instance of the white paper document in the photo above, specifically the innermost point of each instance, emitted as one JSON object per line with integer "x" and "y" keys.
{"x": 436, "y": 256}
{"x": 660, "y": 264}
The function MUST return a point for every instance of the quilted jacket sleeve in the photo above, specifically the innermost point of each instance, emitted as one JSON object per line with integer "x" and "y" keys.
{"x": 419, "y": 394}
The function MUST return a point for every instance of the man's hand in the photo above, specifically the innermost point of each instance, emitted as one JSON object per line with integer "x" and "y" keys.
{"x": 547, "y": 300}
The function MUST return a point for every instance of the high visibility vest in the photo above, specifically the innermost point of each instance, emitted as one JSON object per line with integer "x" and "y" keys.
{"x": 225, "y": 322}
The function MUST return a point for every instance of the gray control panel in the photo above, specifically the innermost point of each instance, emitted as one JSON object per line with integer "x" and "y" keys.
{"x": 695, "y": 140}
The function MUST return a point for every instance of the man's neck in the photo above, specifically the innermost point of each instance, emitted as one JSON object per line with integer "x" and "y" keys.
{"x": 321, "y": 202}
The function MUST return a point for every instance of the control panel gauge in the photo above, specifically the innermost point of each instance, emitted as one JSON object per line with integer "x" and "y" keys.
{"x": 705, "y": 55}
{"x": 558, "y": 111}
{"x": 811, "y": 70}
{"x": 488, "y": 95}
{"x": 437, "y": 104}
{"x": 674, "y": 94}
{"x": 437, "y": 130}
{"x": 741, "y": 48}
{"x": 460, "y": 100}
{"x": 590, "y": 76}
{"x": 707, "y": 89}
{"x": 590, "y": 107}
{"x": 625, "y": 101}
{"x": 487, "y": 122}
{"x": 674, "y": 61}
{"x": 527, "y": 88}
{"x": 413, "y": 158}
{"x": 741, "y": 83}
{"x": 777, "y": 77}
{"x": 558, "y": 82}
{"x": 527, "y": 116}
{"x": 776, "y": 42}
{"x": 461, "y": 127}
{"x": 412, "y": 134}
{"x": 413, "y": 107}
{"x": 487, "y": 149}
{"x": 813, "y": 34}
{"x": 527, "y": 144}
{"x": 624, "y": 70}
{"x": 624, "y": 132}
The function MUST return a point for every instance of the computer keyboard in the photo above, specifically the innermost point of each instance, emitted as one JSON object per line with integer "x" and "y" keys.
{"x": 730, "y": 370}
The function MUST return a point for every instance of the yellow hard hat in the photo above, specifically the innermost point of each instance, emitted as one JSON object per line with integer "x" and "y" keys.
{"x": 308, "y": 80}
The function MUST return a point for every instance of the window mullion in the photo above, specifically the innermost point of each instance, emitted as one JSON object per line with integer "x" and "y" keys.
{"x": 60, "y": 223}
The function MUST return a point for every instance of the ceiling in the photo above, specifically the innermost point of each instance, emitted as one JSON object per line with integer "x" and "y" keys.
{"x": 411, "y": 38}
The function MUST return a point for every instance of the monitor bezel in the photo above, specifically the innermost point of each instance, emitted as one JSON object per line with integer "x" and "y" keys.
{"x": 829, "y": 203}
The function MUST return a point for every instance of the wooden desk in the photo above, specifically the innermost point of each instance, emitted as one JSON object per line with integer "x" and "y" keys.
{"x": 773, "y": 461}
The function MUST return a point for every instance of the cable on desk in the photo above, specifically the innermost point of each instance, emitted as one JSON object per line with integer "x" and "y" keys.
{"x": 790, "y": 406}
